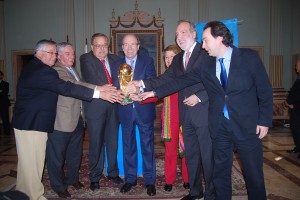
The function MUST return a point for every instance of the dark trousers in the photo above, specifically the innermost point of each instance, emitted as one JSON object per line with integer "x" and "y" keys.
{"x": 103, "y": 131}
{"x": 198, "y": 151}
{"x": 5, "y": 118}
{"x": 64, "y": 148}
{"x": 295, "y": 128}
{"x": 251, "y": 157}
{"x": 130, "y": 150}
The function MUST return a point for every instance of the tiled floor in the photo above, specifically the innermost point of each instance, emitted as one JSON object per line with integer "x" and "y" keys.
{"x": 282, "y": 169}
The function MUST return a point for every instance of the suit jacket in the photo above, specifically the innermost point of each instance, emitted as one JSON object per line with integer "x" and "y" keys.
{"x": 144, "y": 69}
{"x": 92, "y": 72}
{"x": 248, "y": 96}
{"x": 293, "y": 97}
{"x": 37, "y": 93}
{"x": 4, "y": 89}
{"x": 68, "y": 108}
{"x": 177, "y": 69}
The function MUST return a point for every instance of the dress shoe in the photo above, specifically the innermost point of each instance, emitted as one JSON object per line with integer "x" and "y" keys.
{"x": 294, "y": 150}
{"x": 127, "y": 187}
{"x": 94, "y": 186}
{"x": 65, "y": 194}
{"x": 186, "y": 185}
{"x": 190, "y": 197}
{"x": 151, "y": 191}
{"x": 168, "y": 187}
{"x": 78, "y": 185}
{"x": 117, "y": 179}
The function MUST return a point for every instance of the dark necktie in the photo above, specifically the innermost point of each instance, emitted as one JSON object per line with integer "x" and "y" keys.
{"x": 187, "y": 58}
{"x": 223, "y": 78}
{"x": 106, "y": 72}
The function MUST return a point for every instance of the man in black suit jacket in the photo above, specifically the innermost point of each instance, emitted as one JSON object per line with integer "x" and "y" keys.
{"x": 193, "y": 102}
{"x": 35, "y": 110}
{"x": 101, "y": 116}
{"x": 4, "y": 104}
{"x": 293, "y": 101}
{"x": 247, "y": 100}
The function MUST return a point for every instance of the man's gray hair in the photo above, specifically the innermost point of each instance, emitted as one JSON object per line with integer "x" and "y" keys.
{"x": 42, "y": 44}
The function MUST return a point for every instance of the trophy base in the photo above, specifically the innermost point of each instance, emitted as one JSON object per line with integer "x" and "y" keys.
{"x": 127, "y": 100}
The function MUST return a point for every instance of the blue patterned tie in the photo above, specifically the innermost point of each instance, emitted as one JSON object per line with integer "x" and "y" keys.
{"x": 223, "y": 78}
{"x": 73, "y": 73}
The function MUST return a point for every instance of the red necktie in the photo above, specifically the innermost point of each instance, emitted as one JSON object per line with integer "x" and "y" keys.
{"x": 106, "y": 72}
{"x": 187, "y": 57}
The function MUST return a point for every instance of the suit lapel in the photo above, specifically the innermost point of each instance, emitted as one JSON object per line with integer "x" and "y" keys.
{"x": 138, "y": 68}
{"x": 212, "y": 72}
{"x": 196, "y": 54}
{"x": 181, "y": 54}
{"x": 234, "y": 63}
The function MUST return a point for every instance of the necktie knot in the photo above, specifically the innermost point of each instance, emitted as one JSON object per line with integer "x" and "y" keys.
{"x": 223, "y": 74}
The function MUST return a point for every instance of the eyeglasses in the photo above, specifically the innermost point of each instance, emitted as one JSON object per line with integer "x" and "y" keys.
{"x": 98, "y": 46}
{"x": 130, "y": 45}
{"x": 51, "y": 53}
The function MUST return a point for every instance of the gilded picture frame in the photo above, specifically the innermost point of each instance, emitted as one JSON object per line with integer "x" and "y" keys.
{"x": 151, "y": 43}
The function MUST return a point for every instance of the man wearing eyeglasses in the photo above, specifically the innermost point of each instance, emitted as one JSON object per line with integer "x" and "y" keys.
{"x": 101, "y": 116}
{"x": 35, "y": 110}
{"x": 64, "y": 145}
{"x": 136, "y": 114}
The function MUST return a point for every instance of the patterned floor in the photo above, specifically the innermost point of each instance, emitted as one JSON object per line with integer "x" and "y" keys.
{"x": 282, "y": 169}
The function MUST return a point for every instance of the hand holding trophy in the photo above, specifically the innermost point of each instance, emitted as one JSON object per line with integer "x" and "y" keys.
{"x": 125, "y": 75}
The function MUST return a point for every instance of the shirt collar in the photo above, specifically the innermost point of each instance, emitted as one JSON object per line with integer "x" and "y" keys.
{"x": 192, "y": 48}
{"x": 128, "y": 60}
{"x": 228, "y": 53}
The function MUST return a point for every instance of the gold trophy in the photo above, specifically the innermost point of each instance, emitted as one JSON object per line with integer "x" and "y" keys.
{"x": 125, "y": 75}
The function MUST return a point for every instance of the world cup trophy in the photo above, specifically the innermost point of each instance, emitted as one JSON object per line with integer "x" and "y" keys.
{"x": 125, "y": 75}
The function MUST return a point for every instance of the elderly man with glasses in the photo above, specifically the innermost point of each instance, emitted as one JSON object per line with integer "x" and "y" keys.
{"x": 101, "y": 116}
{"x": 35, "y": 110}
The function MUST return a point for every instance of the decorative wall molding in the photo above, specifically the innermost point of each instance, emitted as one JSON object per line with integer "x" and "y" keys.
{"x": 134, "y": 18}
{"x": 149, "y": 29}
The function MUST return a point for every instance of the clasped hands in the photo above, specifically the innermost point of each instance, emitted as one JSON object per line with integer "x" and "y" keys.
{"x": 110, "y": 93}
{"x": 133, "y": 90}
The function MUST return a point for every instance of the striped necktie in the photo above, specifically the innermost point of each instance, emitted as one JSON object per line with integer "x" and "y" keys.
{"x": 106, "y": 72}
{"x": 73, "y": 73}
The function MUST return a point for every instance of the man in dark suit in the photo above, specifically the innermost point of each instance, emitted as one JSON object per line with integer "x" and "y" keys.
{"x": 64, "y": 144}
{"x": 101, "y": 116}
{"x": 142, "y": 115}
{"x": 293, "y": 102}
{"x": 193, "y": 102}
{"x": 4, "y": 104}
{"x": 240, "y": 107}
{"x": 34, "y": 114}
